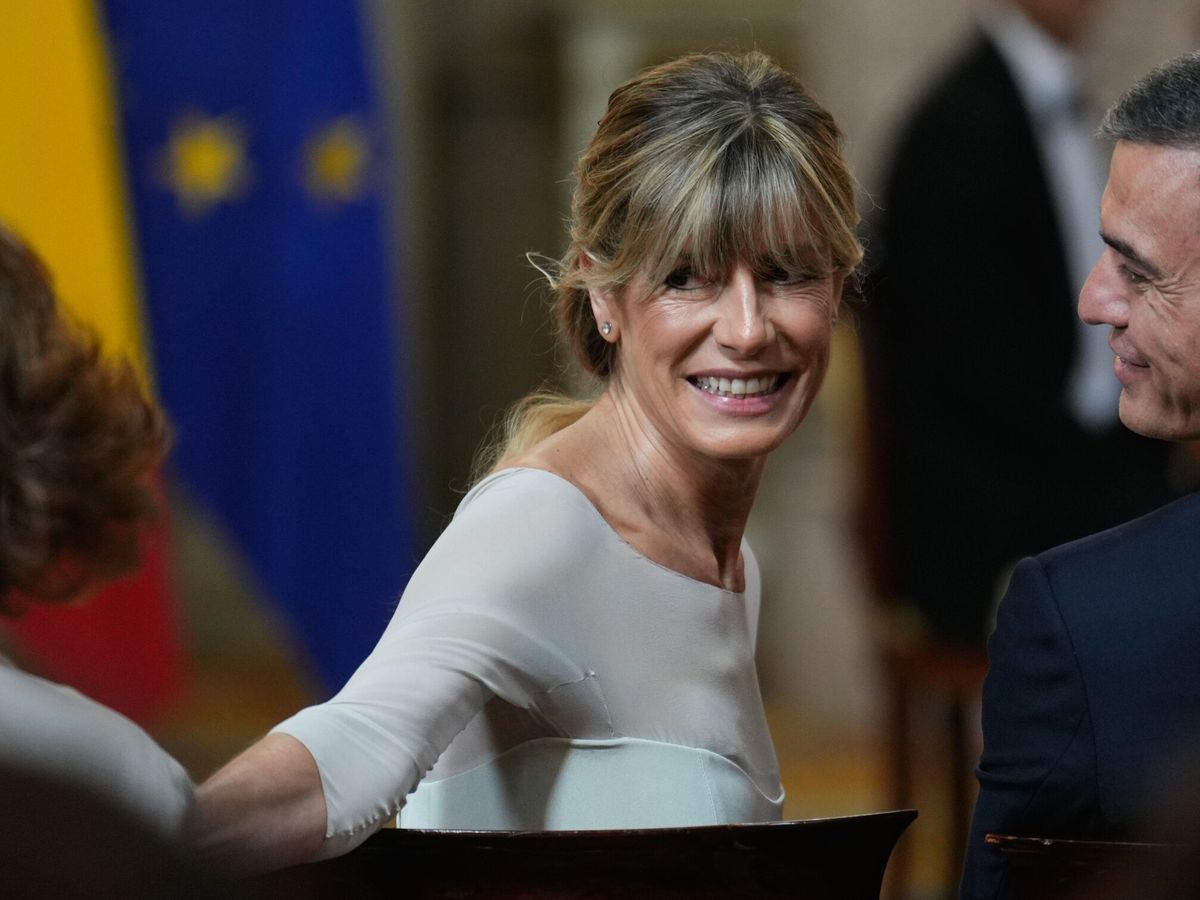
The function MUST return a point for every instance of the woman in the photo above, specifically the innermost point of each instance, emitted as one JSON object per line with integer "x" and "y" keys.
{"x": 79, "y": 442}
{"x": 577, "y": 648}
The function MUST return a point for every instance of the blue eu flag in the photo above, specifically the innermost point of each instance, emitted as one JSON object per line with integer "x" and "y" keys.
{"x": 252, "y": 142}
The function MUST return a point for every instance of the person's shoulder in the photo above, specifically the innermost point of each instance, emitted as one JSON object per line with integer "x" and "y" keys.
{"x": 1148, "y": 563}
{"x": 53, "y": 728}
{"x": 50, "y": 710}
{"x": 522, "y": 523}
{"x": 528, "y": 498}
{"x": 58, "y": 716}
{"x": 1162, "y": 532}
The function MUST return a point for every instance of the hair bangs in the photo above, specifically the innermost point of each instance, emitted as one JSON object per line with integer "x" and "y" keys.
{"x": 752, "y": 199}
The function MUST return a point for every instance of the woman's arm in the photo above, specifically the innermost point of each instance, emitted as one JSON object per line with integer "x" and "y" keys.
{"x": 263, "y": 810}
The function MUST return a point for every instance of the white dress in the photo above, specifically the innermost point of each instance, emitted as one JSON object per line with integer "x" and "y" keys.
{"x": 531, "y": 631}
{"x": 54, "y": 731}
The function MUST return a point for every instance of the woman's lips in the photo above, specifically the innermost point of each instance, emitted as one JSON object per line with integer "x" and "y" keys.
{"x": 736, "y": 387}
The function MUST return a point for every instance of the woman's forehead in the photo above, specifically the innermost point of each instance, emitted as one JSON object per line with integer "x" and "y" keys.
{"x": 724, "y": 250}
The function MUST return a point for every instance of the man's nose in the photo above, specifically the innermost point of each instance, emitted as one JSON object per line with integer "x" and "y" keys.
{"x": 1104, "y": 297}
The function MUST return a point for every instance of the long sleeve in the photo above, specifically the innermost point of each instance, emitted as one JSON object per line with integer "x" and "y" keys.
{"x": 1037, "y": 774}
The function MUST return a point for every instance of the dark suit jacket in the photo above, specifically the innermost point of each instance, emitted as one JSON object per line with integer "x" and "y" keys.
{"x": 1094, "y": 686}
{"x": 968, "y": 337}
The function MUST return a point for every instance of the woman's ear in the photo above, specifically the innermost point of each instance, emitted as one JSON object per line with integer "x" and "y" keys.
{"x": 604, "y": 309}
{"x": 835, "y": 297}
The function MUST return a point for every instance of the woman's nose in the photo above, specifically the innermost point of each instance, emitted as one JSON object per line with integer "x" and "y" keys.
{"x": 742, "y": 324}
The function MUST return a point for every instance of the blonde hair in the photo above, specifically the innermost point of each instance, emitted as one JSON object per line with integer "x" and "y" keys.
{"x": 723, "y": 155}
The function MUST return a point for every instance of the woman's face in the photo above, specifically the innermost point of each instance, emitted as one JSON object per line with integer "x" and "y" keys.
{"x": 726, "y": 366}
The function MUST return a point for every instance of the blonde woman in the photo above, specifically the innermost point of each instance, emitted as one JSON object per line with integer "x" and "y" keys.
{"x": 577, "y": 649}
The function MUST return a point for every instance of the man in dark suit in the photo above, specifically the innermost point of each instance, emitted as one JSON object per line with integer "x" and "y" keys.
{"x": 1095, "y": 660}
{"x": 987, "y": 445}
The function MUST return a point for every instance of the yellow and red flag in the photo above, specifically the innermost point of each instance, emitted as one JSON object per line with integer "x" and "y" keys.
{"x": 61, "y": 189}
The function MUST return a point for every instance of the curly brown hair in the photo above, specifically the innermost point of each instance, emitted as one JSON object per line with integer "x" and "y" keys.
{"x": 79, "y": 441}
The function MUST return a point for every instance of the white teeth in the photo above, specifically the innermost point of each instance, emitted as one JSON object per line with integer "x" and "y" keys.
{"x": 736, "y": 387}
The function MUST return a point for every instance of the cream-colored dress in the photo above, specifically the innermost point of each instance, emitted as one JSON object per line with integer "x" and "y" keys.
{"x": 540, "y": 673}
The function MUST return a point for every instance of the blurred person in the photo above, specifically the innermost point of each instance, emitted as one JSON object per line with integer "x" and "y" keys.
{"x": 66, "y": 840}
{"x": 79, "y": 443}
{"x": 992, "y": 411}
{"x": 577, "y": 649}
{"x": 1094, "y": 685}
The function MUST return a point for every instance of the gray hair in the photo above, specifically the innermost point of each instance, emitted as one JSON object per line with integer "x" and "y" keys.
{"x": 1162, "y": 108}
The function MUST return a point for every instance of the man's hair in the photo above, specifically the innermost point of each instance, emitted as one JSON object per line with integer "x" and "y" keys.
{"x": 1162, "y": 108}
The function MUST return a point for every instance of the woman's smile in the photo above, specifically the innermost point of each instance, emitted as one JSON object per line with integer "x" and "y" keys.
{"x": 737, "y": 387}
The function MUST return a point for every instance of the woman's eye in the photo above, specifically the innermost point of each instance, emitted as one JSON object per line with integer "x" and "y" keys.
{"x": 782, "y": 276}
{"x": 684, "y": 279}
{"x": 777, "y": 275}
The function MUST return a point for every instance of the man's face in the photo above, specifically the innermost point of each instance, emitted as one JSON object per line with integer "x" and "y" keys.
{"x": 1146, "y": 286}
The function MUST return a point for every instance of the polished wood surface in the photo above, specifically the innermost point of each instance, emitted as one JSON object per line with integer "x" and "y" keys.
{"x": 842, "y": 858}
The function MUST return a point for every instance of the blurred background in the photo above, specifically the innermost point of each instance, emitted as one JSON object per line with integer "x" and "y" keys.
{"x": 308, "y": 221}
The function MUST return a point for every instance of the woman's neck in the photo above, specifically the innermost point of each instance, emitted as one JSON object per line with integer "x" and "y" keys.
{"x": 681, "y": 509}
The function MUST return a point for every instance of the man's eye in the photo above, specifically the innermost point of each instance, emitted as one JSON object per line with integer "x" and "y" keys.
{"x": 1136, "y": 278}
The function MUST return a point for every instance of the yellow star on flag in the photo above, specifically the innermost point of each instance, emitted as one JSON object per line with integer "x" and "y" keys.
{"x": 335, "y": 161}
{"x": 205, "y": 163}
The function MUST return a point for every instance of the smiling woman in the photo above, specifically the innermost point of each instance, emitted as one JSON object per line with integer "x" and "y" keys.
{"x": 577, "y": 649}
{"x": 727, "y": 158}
{"x": 692, "y": 347}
